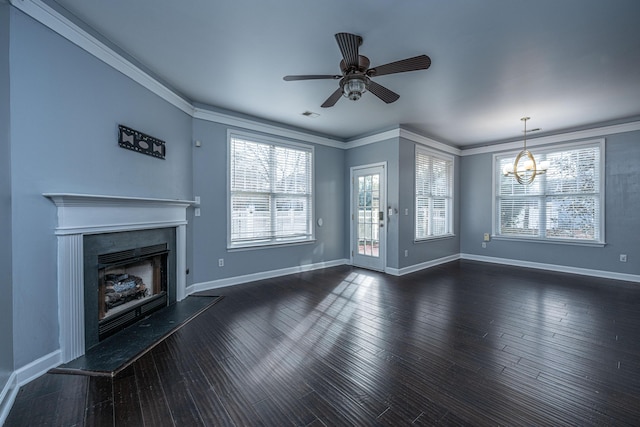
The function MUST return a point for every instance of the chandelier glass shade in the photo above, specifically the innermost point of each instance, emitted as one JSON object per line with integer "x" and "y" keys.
{"x": 524, "y": 168}
{"x": 354, "y": 87}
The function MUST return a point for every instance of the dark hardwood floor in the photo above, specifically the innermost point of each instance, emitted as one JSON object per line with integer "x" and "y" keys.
{"x": 464, "y": 343}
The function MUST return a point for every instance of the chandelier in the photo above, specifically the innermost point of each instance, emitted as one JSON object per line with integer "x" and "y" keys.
{"x": 524, "y": 168}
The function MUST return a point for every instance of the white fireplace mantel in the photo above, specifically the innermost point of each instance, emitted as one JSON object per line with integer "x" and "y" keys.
{"x": 90, "y": 213}
{"x": 82, "y": 214}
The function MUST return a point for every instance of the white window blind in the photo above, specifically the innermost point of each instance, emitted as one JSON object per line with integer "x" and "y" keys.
{"x": 270, "y": 192}
{"x": 434, "y": 194}
{"x": 565, "y": 204}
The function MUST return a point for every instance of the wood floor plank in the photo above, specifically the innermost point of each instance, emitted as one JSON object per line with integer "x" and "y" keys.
{"x": 153, "y": 402}
{"x": 72, "y": 402}
{"x": 100, "y": 409}
{"x": 179, "y": 401}
{"x": 230, "y": 394}
{"x": 126, "y": 400}
{"x": 463, "y": 343}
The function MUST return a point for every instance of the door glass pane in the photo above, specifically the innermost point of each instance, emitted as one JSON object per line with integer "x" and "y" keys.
{"x": 368, "y": 227}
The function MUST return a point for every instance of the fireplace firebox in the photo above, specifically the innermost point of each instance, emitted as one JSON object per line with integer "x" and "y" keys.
{"x": 131, "y": 284}
{"x": 128, "y": 275}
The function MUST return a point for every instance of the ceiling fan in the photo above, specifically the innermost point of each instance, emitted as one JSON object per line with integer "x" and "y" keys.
{"x": 356, "y": 74}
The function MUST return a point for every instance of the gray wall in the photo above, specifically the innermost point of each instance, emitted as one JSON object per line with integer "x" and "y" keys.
{"x": 384, "y": 151}
{"x": 399, "y": 153}
{"x": 429, "y": 250}
{"x": 622, "y": 230}
{"x": 6, "y": 310}
{"x": 210, "y": 229}
{"x": 65, "y": 108}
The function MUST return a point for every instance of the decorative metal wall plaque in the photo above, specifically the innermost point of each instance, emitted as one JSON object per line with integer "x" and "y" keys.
{"x": 140, "y": 142}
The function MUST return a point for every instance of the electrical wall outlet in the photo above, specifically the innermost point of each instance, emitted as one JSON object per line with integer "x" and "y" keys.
{"x": 484, "y": 245}
{"x": 221, "y": 262}
{"x": 406, "y": 253}
{"x": 623, "y": 257}
{"x": 486, "y": 237}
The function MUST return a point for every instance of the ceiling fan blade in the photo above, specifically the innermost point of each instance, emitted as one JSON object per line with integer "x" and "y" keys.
{"x": 348, "y": 44}
{"x": 331, "y": 101}
{"x": 382, "y": 92}
{"x": 421, "y": 62}
{"x": 311, "y": 77}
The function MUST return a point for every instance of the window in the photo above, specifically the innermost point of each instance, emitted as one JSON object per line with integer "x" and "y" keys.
{"x": 270, "y": 193}
{"x": 566, "y": 204}
{"x": 434, "y": 194}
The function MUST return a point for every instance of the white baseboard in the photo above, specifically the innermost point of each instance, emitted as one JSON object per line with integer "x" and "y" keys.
{"x": 421, "y": 266}
{"x": 7, "y": 397}
{"x": 230, "y": 281}
{"x": 553, "y": 267}
{"x": 23, "y": 376}
{"x": 38, "y": 367}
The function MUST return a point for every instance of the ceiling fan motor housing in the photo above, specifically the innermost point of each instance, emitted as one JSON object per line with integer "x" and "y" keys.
{"x": 363, "y": 66}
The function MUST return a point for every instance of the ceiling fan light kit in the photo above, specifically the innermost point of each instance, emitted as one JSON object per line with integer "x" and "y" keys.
{"x": 524, "y": 168}
{"x": 353, "y": 87}
{"x": 356, "y": 74}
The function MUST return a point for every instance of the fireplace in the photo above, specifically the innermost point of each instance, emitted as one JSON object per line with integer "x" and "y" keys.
{"x": 127, "y": 276}
{"x": 101, "y": 239}
{"x": 130, "y": 283}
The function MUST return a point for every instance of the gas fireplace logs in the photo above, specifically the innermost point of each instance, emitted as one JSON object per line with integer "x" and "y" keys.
{"x": 122, "y": 288}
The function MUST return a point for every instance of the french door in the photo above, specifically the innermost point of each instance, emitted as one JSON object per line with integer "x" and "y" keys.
{"x": 368, "y": 216}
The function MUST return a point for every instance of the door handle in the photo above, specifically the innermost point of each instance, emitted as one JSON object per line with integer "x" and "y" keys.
{"x": 381, "y": 216}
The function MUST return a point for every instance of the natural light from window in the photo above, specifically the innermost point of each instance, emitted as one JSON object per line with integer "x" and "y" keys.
{"x": 434, "y": 190}
{"x": 565, "y": 204}
{"x": 270, "y": 193}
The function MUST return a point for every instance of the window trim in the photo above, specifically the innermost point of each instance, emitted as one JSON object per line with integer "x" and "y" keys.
{"x": 450, "y": 217}
{"x": 598, "y": 142}
{"x": 265, "y": 139}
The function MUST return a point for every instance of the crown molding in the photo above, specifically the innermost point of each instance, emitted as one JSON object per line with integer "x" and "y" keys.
{"x": 61, "y": 25}
{"x": 76, "y": 35}
{"x": 372, "y": 139}
{"x": 249, "y": 124}
{"x": 52, "y": 19}
{"x": 402, "y": 133}
{"x": 423, "y": 140}
{"x": 560, "y": 137}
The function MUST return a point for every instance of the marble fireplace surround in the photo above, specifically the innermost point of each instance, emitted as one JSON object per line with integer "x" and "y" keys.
{"x": 82, "y": 214}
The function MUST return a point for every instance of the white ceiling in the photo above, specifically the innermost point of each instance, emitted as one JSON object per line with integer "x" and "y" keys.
{"x": 569, "y": 64}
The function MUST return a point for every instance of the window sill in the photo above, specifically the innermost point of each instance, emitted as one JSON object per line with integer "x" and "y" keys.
{"x": 434, "y": 238}
{"x": 269, "y": 245}
{"x": 549, "y": 241}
